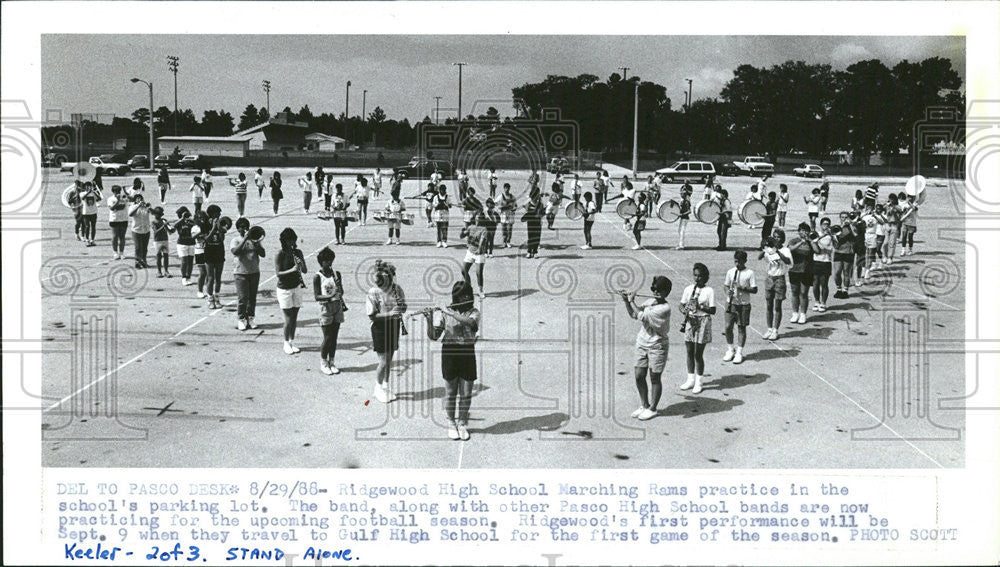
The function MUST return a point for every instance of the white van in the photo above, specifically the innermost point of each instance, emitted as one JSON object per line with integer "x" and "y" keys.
{"x": 699, "y": 171}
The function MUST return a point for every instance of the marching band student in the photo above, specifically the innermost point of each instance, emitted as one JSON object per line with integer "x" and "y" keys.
{"x": 589, "y": 212}
{"x": 98, "y": 180}
{"x": 881, "y": 227}
{"x": 215, "y": 256}
{"x": 598, "y": 189}
{"x": 91, "y": 200}
{"x": 870, "y": 220}
{"x": 276, "y": 194}
{"x": 813, "y": 202}
{"x": 361, "y": 191}
{"x": 206, "y": 182}
{"x": 198, "y": 194}
{"x": 394, "y": 217}
{"x": 686, "y": 188}
{"x": 824, "y": 196}
{"x": 430, "y": 195}
{"x": 475, "y": 235}
{"x": 783, "y": 197}
{"x": 710, "y": 191}
{"x": 508, "y": 207}
{"x": 770, "y": 211}
{"x": 871, "y": 195}
{"x": 843, "y": 255}
{"x": 185, "y": 244}
{"x": 655, "y": 191}
{"x": 340, "y": 215}
{"x": 457, "y": 332}
{"x": 740, "y": 283}
{"x": 652, "y": 344}
{"x": 138, "y": 187}
{"x": 329, "y": 192}
{"x": 492, "y": 219}
{"x": 442, "y": 205}
{"x": 802, "y": 247}
{"x": 606, "y": 184}
{"x": 463, "y": 185}
{"x": 289, "y": 265}
{"x": 471, "y": 205}
{"x": 858, "y": 202}
{"x": 754, "y": 194}
{"x": 163, "y": 180}
{"x": 628, "y": 192}
{"x": 246, "y": 273}
{"x": 328, "y": 289}
{"x": 893, "y": 223}
{"x": 308, "y": 185}
{"x": 533, "y": 218}
{"x": 577, "y": 187}
{"x": 161, "y": 242}
{"x": 118, "y": 219}
{"x": 321, "y": 188}
{"x": 200, "y": 231}
{"x": 860, "y": 251}
{"x": 698, "y": 306}
{"x": 555, "y": 197}
{"x": 779, "y": 258}
{"x": 258, "y": 181}
{"x": 437, "y": 177}
{"x": 138, "y": 213}
{"x": 76, "y": 204}
{"x": 725, "y": 217}
{"x": 377, "y": 182}
{"x": 683, "y": 217}
{"x": 822, "y": 267}
{"x": 493, "y": 179}
{"x": 385, "y": 305}
{"x": 640, "y": 221}
{"x": 908, "y": 219}
{"x": 240, "y": 184}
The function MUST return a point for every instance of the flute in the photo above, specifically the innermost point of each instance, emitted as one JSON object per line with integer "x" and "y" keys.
{"x": 622, "y": 291}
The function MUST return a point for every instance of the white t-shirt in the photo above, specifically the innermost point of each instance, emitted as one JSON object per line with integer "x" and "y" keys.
{"x": 655, "y": 320}
{"x": 814, "y": 204}
{"x": 258, "y": 180}
{"x": 783, "y": 201}
{"x": 307, "y": 185}
{"x": 744, "y": 280}
{"x": 776, "y": 267}
{"x": 705, "y": 298}
{"x": 826, "y": 247}
{"x": 121, "y": 215}
{"x": 362, "y": 193}
{"x": 206, "y": 179}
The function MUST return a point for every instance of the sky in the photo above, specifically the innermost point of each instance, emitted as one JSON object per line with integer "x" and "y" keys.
{"x": 403, "y": 73}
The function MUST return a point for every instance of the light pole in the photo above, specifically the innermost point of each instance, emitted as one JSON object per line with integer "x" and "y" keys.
{"x": 460, "y": 65}
{"x": 173, "y": 63}
{"x": 267, "y": 91}
{"x": 437, "y": 110}
{"x": 689, "y": 92}
{"x": 150, "y": 85}
{"x": 635, "y": 134}
{"x": 364, "y": 101}
{"x": 624, "y": 72}
{"x": 347, "y": 108}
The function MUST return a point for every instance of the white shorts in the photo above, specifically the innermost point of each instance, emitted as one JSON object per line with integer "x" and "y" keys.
{"x": 289, "y": 298}
{"x": 185, "y": 250}
{"x": 474, "y": 258}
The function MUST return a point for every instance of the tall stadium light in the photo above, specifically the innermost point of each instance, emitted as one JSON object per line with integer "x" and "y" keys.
{"x": 437, "y": 110}
{"x": 347, "y": 108}
{"x": 635, "y": 134}
{"x": 689, "y": 92}
{"x": 624, "y": 73}
{"x": 150, "y": 85}
{"x": 267, "y": 91}
{"x": 173, "y": 62}
{"x": 460, "y": 65}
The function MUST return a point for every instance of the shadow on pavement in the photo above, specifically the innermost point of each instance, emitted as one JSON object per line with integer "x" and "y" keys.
{"x": 698, "y": 406}
{"x": 547, "y": 422}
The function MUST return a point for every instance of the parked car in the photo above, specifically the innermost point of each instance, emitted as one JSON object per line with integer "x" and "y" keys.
{"x": 754, "y": 165}
{"x": 558, "y": 165}
{"x": 106, "y": 166}
{"x": 422, "y": 168}
{"x": 171, "y": 161}
{"x": 193, "y": 161}
{"x": 809, "y": 170}
{"x": 138, "y": 162}
{"x": 700, "y": 171}
{"x": 53, "y": 159}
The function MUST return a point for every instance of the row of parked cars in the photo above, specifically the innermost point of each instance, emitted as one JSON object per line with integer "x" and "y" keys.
{"x": 110, "y": 164}
{"x": 754, "y": 166}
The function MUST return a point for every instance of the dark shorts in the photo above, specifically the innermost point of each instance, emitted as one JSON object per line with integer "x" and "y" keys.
{"x": 843, "y": 257}
{"x": 775, "y": 287}
{"x": 822, "y": 268}
{"x": 199, "y": 259}
{"x": 800, "y": 278}
{"x": 458, "y": 362}
{"x": 738, "y": 313}
{"x": 215, "y": 255}
{"x": 385, "y": 336}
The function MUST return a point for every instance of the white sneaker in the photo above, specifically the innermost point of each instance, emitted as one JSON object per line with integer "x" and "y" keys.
{"x": 241, "y": 325}
{"x": 802, "y": 318}
{"x": 646, "y": 414}
{"x": 729, "y": 354}
{"x": 201, "y": 295}
{"x": 738, "y": 357}
{"x": 636, "y": 247}
{"x": 697, "y": 385}
{"x": 774, "y": 334}
{"x": 334, "y": 369}
{"x": 438, "y": 245}
{"x": 463, "y": 433}
{"x": 688, "y": 383}
{"x": 325, "y": 368}
{"x": 794, "y": 318}
{"x": 388, "y": 242}
{"x": 638, "y": 412}
{"x": 295, "y": 349}
{"x": 585, "y": 247}
{"x": 380, "y": 394}
{"x": 815, "y": 307}
{"x": 444, "y": 245}
{"x": 251, "y": 324}
{"x": 453, "y": 432}
{"x": 288, "y": 348}
{"x": 388, "y": 394}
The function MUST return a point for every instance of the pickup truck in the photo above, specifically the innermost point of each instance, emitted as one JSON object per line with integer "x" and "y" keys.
{"x": 107, "y": 168}
{"x": 751, "y": 165}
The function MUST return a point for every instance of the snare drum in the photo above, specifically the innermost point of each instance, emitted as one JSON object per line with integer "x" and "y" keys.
{"x": 707, "y": 211}
{"x": 468, "y": 215}
{"x": 752, "y": 212}
{"x": 574, "y": 211}
{"x": 440, "y": 215}
{"x": 627, "y": 209}
{"x": 378, "y": 216}
{"x": 669, "y": 211}
{"x": 407, "y": 218}
{"x": 352, "y": 216}
{"x": 506, "y": 217}
{"x": 340, "y": 214}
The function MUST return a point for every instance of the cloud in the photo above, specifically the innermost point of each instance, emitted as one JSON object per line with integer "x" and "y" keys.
{"x": 712, "y": 80}
{"x": 847, "y": 53}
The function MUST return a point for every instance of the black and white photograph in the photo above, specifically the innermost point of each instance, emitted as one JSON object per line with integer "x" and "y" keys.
{"x": 631, "y": 258}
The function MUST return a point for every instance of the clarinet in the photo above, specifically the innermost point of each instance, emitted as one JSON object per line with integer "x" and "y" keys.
{"x": 689, "y": 308}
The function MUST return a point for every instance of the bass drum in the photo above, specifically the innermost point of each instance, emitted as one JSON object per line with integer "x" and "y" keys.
{"x": 574, "y": 211}
{"x": 752, "y": 213}
{"x": 707, "y": 211}
{"x": 627, "y": 209}
{"x": 669, "y": 211}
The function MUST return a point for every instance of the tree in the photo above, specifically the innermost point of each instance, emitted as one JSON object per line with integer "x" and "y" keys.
{"x": 263, "y": 115}
{"x": 863, "y": 108}
{"x": 141, "y": 115}
{"x": 305, "y": 115}
{"x": 376, "y": 116}
{"x": 216, "y": 123}
{"x": 249, "y": 118}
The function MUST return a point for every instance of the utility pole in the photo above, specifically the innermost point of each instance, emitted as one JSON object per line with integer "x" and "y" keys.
{"x": 460, "y": 65}
{"x": 173, "y": 63}
{"x": 150, "y": 85}
{"x": 267, "y": 91}
{"x": 437, "y": 110}
{"x": 624, "y": 72}
{"x": 635, "y": 135}
{"x": 347, "y": 108}
{"x": 364, "y": 102}
{"x": 689, "y": 92}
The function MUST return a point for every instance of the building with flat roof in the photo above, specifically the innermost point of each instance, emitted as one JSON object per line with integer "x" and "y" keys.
{"x": 204, "y": 145}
